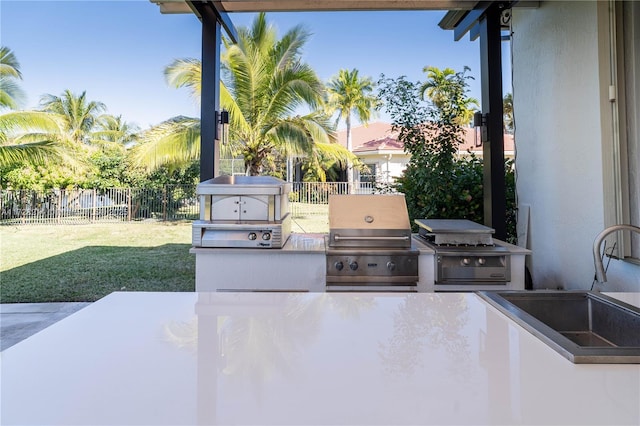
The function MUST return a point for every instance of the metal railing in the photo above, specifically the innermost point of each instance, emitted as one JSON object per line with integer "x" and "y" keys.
{"x": 169, "y": 203}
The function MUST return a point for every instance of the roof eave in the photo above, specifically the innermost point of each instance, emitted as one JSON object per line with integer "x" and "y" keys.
{"x": 181, "y": 6}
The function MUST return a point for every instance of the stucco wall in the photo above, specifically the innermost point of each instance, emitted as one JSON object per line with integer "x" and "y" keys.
{"x": 558, "y": 139}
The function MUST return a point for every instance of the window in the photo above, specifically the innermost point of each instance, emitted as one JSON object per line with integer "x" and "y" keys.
{"x": 369, "y": 176}
{"x": 622, "y": 171}
{"x": 631, "y": 132}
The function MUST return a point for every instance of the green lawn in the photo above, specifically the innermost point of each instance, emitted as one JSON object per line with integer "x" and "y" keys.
{"x": 83, "y": 263}
{"x": 68, "y": 263}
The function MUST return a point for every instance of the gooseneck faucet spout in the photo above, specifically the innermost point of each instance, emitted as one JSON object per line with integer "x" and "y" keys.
{"x": 601, "y": 276}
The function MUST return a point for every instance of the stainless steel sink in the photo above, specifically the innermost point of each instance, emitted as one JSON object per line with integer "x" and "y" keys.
{"x": 585, "y": 327}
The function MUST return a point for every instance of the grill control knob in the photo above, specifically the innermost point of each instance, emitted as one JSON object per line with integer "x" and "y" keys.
{"x": 466, "y": 261}
{"x": 252, "y": 236}
{"x": 391, "y": 266}
{"x": 266, "y": 236}
{"x": 339, "y": 266}
{"x": 353, "y": 265}
{"x": 481, "y": 261}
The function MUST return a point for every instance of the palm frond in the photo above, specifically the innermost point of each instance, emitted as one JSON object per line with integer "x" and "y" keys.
{"x": 300, "y": 135}
{"x": 9, "y": 65}
{"x": 172, "y": 142}
{"x": 291, "y": 138}
{"x": 292, "y": 88}
{"x": 16, "y": 123}
{"x": 185, "y": 73}
{"x": 11, "y": 94}
{"x": 336, "y": 152}
{"x": 287, "y": 51}
{"x": 35, "y": 153}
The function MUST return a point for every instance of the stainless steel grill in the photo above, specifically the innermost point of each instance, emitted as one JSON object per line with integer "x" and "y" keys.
{"x": 369, "y": 247}
{"x": 243, "y": 211}
{"x": 465, "y": 253}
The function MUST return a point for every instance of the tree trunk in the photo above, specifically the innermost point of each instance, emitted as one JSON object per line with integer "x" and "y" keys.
{"x": 253, "y": 165}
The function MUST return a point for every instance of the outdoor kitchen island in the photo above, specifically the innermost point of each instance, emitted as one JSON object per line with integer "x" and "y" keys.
{"x": 304, "y": 359}
{"x": 243, "y": 242}
{"x": 301, "y": 266}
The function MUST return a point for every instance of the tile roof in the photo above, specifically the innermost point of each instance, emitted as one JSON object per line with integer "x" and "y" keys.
{"x": 362, "y": 134}
{"x": 387, "y": 143}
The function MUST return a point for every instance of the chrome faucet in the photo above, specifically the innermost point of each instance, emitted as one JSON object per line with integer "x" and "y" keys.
{"x": 597, "y": 260}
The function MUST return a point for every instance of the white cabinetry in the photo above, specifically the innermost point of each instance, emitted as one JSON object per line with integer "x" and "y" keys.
{"x": 301, "y": 266}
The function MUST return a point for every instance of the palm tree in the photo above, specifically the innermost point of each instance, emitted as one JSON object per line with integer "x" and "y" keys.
{"x": 507, "y": 106}
{"x": 437, "y": 85}
{"x": 264, "y": 86}
{"x": 114, "y": 129}
{"x": 446, "y": 93}
{"x": 78, "y": 115}
{"x": 348, "y": 93}
{"x": 58, "y": 132}
{"x": 11, "y": 95}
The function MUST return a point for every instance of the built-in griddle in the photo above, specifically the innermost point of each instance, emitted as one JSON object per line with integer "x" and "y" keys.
{"x": 465, "y": 252}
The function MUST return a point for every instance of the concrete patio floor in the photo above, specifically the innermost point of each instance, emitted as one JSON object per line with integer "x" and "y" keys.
{"x": 21, "y": 320}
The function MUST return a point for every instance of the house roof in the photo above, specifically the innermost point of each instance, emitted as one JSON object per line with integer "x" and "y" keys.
{"x": 360, "y": 135}
{"x": 378, "y": 136}
{"x": 387, "y": 143}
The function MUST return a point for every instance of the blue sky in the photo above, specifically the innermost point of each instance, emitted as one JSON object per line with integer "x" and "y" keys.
{"x": 117, "y": 50}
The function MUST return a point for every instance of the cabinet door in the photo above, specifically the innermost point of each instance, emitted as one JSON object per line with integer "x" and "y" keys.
{"x": 225, "y": 207}
{"x": 255, "y": 208}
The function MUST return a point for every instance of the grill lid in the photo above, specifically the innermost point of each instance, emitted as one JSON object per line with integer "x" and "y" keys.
{"x": 368, "y": 212}
{"x": 369, "y": 221}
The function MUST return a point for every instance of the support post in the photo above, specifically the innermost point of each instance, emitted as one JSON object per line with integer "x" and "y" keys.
{"x": 495, "y": 212}
{"x": 210, "y": 95}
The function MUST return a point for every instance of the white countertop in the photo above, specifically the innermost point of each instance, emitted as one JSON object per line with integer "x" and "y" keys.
{"x": 303, "y": 358}
{"x": 315, "y": 243}
{"x": 630, "y": 298}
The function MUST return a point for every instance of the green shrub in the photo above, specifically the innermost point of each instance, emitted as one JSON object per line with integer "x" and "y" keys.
{"x": 437, "y": 183}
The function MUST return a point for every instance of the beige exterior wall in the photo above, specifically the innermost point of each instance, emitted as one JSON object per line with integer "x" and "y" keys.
{"x": 559, "y": 62}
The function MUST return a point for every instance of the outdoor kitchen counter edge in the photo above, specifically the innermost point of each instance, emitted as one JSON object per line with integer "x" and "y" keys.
{"x": 297, "y": 243}
{"x": 180, "y": 358}
{"x": 314, "y": 243}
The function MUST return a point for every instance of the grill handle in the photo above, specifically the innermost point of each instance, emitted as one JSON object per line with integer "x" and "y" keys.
{"x": 354, "y": 238}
